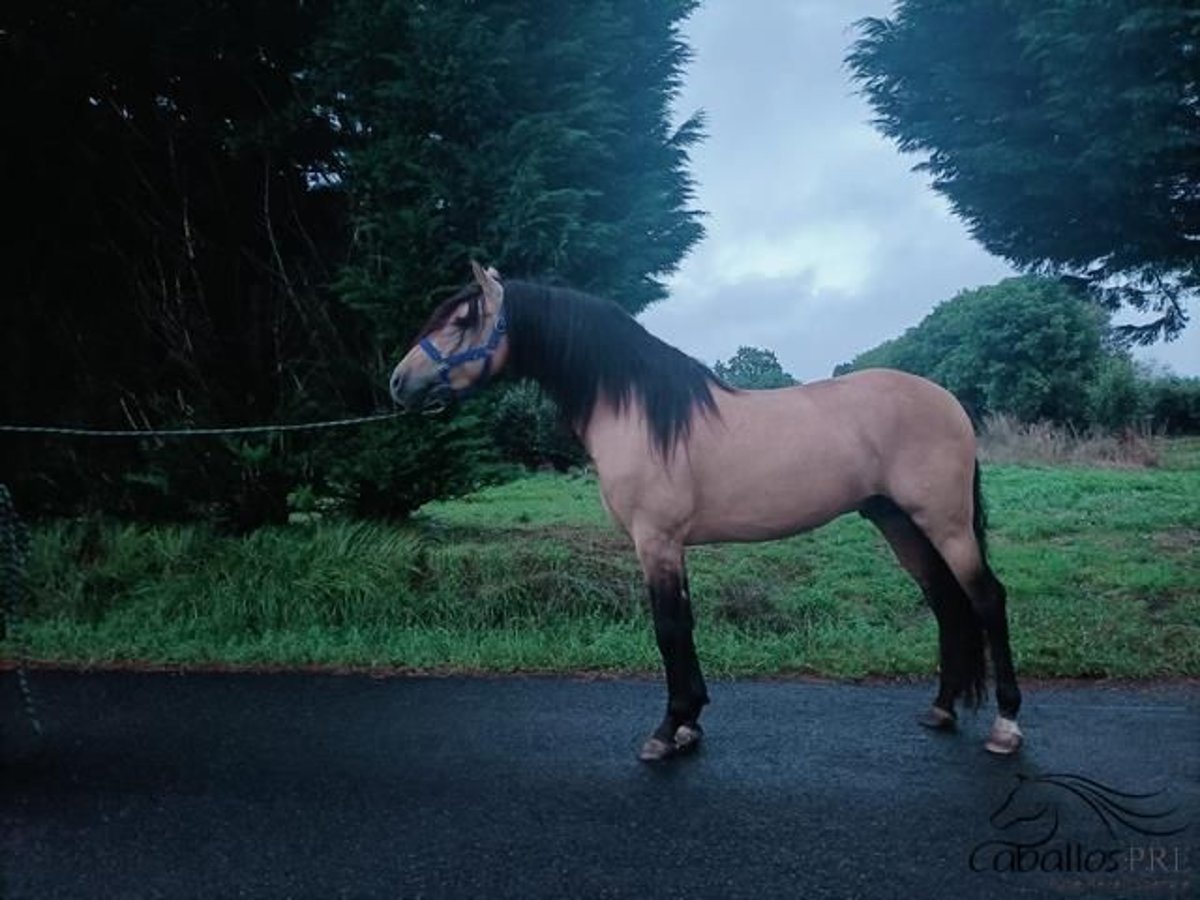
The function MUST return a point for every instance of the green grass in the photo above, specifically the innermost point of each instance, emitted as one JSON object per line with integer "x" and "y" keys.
{"x": 1102, "y": 566}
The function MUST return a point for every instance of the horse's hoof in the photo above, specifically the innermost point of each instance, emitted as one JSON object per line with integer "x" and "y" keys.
{"x": 938, "y": 719}
{"x": 687, "y": 737}
{"x": 655, "y": 750}
{"x": 1005, "y": 738}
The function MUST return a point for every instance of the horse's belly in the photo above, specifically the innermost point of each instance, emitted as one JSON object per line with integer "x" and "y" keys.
{"x": 753, "y": 513}
{"x": 776, "y": 464}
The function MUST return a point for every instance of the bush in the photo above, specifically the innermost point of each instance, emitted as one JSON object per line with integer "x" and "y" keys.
{"x": 1173, "y": 404}
{"x": 1115, "y": 395}
{"x": 391, "y": 469}
{"x": 528, "y": 430}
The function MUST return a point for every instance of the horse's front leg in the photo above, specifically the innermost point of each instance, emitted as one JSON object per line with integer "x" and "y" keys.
{"x": 666, "y": 579}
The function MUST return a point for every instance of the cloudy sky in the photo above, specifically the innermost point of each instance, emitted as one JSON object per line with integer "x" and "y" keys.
{"x": 821, "y": 240}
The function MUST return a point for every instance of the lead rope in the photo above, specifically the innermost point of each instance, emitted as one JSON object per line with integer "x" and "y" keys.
{"x": 14, "y": 550}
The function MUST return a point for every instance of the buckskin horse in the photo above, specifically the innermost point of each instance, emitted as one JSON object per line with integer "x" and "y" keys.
{"x": 683, "y": 459}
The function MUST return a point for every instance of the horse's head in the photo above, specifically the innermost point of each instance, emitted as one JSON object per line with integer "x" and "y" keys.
{"x": 464, "y": 343}
{"x": 1024, "y": 803}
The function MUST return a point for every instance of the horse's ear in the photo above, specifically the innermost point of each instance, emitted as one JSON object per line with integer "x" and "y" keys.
{"x": 489, "y": 282}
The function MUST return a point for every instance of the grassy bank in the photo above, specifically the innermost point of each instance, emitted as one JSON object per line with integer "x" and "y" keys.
{"x": 1103, "y": 569}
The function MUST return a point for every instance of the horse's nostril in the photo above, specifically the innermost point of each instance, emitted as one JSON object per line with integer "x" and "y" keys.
{"x": 397, "y": 385}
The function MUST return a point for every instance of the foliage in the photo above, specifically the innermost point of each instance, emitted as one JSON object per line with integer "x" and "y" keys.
{"x": 753, "y": 368}
{"x": 527, "y": 429}
{"x": 1063, "y": 132}
{"x": 1172, "y": 403}
{"x": 388, "y": 471}
{"x": 240, "y": 214}
{"x": 1027, "y": 346}
{"x": 166, "y": 267}
{"x": 532, "y": 135}
{"x": 1099, "y": 563}
{"x": 1114, "y": 395}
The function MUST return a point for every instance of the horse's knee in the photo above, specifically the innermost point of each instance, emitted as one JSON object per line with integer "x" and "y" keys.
{"x": 662, "y": 567}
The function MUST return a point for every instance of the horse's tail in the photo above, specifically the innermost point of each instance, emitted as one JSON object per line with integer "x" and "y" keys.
{"x": 979, "y": 521}
{"x": 973, "y": 661}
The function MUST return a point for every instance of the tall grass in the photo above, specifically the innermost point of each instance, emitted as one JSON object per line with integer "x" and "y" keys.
{"x": 1006, "y": 439}
{"x": 1102, "y": 565}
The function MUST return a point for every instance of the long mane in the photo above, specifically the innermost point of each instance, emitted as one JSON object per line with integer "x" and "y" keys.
{"x": 581, "y": 348}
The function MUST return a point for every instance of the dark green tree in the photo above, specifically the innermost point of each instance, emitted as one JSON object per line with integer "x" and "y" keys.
{"x": 240, "y": 213}
{"x": 1116, "y": 395}
{"x": 166, "y": 248}
{"x": 534, "y": 136}
{"x": 1029, "y": 347}
{"x": 753, "y": 368}
{"x": 530, "y": 135}
{"x": 1065, "y": 133}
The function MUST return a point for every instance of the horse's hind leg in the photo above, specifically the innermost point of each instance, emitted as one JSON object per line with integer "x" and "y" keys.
{"x": 963, "y": 553}
{"x": 990, "y": 601}
{"x": 666, "y": 579}
{"x": 960, "y": 647}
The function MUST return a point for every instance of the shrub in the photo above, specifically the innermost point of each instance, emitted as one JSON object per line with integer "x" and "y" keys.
{"x": 528, "y": 430}
{"x": 1173, "y": 404}
{"x": 1115, "y": 395}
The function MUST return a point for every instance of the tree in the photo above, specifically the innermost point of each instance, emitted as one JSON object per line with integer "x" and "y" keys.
{"x": 1065, "y": 133}
{"x": 240, "y": 213}
{"x": 531, "y": 135}
{"x": 168, "y": 265}
{"x": 1030, "y": 347}
{"x": 753, "y": 368}
{"x": 1115, "y": 396}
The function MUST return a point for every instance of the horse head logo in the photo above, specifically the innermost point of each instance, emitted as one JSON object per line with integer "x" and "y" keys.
{"x": 1039, "y": 798}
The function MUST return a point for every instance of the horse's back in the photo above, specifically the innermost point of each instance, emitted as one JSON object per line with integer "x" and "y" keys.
{"x": 780, "y": 461}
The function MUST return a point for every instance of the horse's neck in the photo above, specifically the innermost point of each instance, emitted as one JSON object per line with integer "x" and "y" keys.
{"x": 614, "y": 437}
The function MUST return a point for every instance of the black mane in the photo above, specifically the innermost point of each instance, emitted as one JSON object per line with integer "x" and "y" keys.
{"x": 579, "y": 347}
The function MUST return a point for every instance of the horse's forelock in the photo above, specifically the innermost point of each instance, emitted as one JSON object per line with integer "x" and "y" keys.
{"x": 444, "y": 310}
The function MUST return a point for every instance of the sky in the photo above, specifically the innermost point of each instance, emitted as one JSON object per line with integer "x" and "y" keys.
{"x": 821, "y": 240}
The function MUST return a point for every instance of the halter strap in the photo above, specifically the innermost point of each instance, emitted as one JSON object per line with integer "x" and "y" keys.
{"x": 484, "y": 351}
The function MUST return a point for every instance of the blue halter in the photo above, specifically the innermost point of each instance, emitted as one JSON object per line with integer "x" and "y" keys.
{"x": 484, "y": 351}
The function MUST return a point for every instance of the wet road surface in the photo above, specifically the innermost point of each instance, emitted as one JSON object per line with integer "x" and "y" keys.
{"x": 321, "y": 786}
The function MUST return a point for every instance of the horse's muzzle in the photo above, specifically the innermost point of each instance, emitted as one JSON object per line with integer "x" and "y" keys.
{"x": 429, "y": 398}
{"x": 396, "y": 387}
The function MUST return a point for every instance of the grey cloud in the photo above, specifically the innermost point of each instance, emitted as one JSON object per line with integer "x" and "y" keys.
{"x": 822, "y": 242}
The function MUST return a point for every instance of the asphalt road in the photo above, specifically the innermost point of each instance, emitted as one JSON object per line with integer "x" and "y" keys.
{"x": 308, "y": 786}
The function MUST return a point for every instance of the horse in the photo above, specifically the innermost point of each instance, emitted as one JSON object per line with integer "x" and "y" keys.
{"x": 684, "y": 459}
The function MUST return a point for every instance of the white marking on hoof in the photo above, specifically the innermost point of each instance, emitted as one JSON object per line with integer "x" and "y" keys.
{"x": 1005, "y": 738}
{"x": 654, "y": 750}
{"x": 687, "y": 737}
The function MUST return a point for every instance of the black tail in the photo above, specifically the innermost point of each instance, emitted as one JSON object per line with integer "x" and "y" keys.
{"x": 973, "y": 660}
{"x": 972, "y": 657}
{"x": 980, "y": 520}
